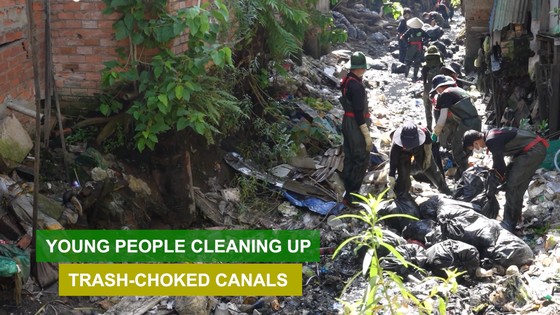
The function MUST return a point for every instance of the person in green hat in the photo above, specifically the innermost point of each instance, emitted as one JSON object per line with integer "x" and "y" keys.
{"x": 357, "y": 142}
{"x": 431, "y": 68}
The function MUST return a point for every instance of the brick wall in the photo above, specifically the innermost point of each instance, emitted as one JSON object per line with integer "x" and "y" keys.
{"x": 82, "y": 40}
{"x": 16, "y": 74}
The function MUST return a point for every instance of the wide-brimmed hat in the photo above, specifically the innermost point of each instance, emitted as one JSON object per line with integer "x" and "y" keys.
{"x": 433, "y": 50}
{"x": 359, "y": 61}
{"x": 441, "y": 80}
{"x": 409, "y": 136}
{"x": 414, "y": 23}
{"x": 447, "y": 68}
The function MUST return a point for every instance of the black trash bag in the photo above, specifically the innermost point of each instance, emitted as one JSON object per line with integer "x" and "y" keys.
{"x": 429, "y": 209}
{"x": 413, "y": 254}
{"x": 434, "y": 32}
{"x": 469, "y": 226}
{"x": 434, "y": 236}
{"x": 392, "y": 239}
{"x": 471, "y": 184}
{"x": 403, "y": 204}
{"x": 487, "y": 199}
{"x": 509, "y": 250}
{"x": 418, "y": 230}
{"x": 452, "y": 254}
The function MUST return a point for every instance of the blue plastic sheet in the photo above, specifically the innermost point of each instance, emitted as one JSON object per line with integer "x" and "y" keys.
{"x": 313, "y": 203}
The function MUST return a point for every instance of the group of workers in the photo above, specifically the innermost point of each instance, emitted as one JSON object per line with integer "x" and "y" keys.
{"x": 456, "y": 126}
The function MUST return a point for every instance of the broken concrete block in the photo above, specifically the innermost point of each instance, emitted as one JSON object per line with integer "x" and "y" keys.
{"x": 15, "y": 143}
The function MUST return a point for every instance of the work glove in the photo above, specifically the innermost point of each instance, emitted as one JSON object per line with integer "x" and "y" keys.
{"x": 434, "y": 137}
{"x": 365, "y": 131}
{"x": 438, "y": 129}
{"x": 497, "y": 179}
{"x": 390, "y": 185}
{"x": 427, "y": 156}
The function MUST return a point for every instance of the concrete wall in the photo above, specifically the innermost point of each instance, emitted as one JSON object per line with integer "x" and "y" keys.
{"x": 477, "y": 17}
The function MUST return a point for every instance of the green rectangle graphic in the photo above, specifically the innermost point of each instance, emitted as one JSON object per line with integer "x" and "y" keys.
{"x": 233, "y": 246}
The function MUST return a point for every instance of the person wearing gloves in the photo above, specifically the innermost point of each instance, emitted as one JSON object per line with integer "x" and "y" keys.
{"x": 455, "y": 114}
{"x": 415, "y": 36}
{"x": 357, "y": 143}
{"x": 528, "y": 151}
{"x": 429, "y": 71}
{"x": 411, "y": 149}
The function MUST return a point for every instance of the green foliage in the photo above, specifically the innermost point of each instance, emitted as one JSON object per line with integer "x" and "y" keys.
{"x": 376, "y": 298}
{"x": 81, "y": 135}
{"x": 171, "y": 91}
{"x": 394, "y": 9}
{"x": 542, "y": 128}
{"x": 272, "y": 145}
{"x": 251, "y": 191}
{"x": 276, "y": 25}
{"x": 456, "y": 3}
{"x": 116, "y": 141}
{"x": 329, "y": 33}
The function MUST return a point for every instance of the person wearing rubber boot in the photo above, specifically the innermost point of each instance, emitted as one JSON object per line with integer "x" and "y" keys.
{"x": 357, "y": 143}
{"x": 401, "y": 29}
{"x": 411, "y": 151}
{"x": 527, "y": 149}
{"x": 415, "y": 36}
{"x": 455, "y": 114}
{"x": 430, "y": 69}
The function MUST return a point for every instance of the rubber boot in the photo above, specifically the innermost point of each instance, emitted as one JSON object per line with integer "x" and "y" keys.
{"x": 406, "y": 70}
{"x": 415, "y": 76}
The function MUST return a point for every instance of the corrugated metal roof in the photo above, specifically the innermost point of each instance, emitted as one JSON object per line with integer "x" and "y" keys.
{"x": 505, "y": 12}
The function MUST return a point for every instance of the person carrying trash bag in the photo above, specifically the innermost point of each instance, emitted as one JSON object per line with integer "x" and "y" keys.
{"x": 415, "y": 36}
{"x": 430, "y": 69}
{"x": 528, "y": 151}
{"x": 455, "y": 114}
{"x": 357, "y": 143}
{"x": 412, "y": 149}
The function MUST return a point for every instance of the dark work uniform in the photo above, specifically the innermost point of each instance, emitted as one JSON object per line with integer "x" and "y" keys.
{"x": 462, "y": 116}
{"x": 401, "y": 29}
{"x": 356, "y": 112}
{"x": 528, "y": 151}
{"x": 429, "y": 71}
{"x": 438, "y": 18}
{"x": 415, "y": 38}
{"x": 400, "y": 161}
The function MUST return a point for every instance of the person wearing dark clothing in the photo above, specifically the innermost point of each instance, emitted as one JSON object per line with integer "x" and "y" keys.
{"x": 411, "y": 151}
{"x": 450, "y": 72}
{"x": 528, "y": 151}
{"x": 415, "y": 38}
{"x": 357, "y": 142}
{"x": 455, "y": 114}
{"x": 442, "y": 9}
{"x": 430, "y": 69}
{"x": 435, "y": 18}
{"x": 401, "y": 29}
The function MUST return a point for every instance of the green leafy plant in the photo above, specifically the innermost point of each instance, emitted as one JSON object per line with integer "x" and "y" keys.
{"x": 377, "y": 297}
{"x": 170, "y": 91}
{"x": 81, "y": 135}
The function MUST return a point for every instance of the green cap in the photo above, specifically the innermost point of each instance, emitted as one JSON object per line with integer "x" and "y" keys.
{"x": 358, "y": 61}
